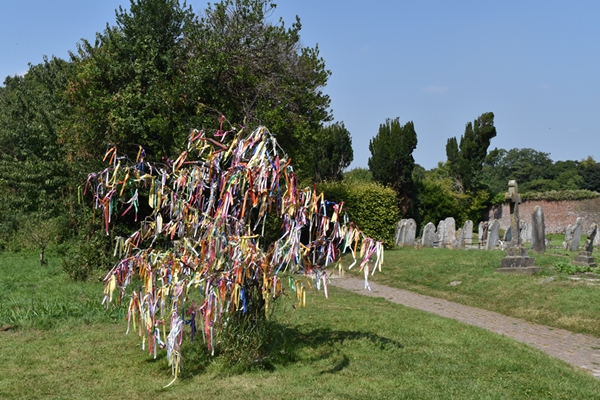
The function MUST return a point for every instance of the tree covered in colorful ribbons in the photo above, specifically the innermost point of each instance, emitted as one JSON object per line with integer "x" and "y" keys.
{"x": 205, "y": 235}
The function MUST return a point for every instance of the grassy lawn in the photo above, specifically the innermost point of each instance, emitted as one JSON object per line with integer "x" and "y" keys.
{"x": 559, "y": 301}
{"x": 59, "y": 344}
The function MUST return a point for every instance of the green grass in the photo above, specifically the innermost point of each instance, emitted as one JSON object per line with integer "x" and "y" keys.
{"x": 561, "y": 302}
{"x": 349, "y": 346}
{"x": 43, "y": 297}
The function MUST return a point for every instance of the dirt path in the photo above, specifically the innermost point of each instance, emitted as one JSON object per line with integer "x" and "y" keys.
{"x": 580, "y": 350}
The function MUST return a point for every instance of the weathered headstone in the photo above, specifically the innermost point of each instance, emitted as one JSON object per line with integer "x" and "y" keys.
{"x": 459, "y": 239}
{"x": 568, "y": 236}
{"x": 577, "y": 231}
{"x": 410, "y": 232}
{"x": 508, "y": 234}
{"x": 538, "y": 230}
{"x": 400, "y": 230}
{"x": 591, "y": 236}
{"x": 450, "y": 231}
{"x": 468, "y": 232}
{"x": 483, "y": 234}
{"x": 584, "y": 258}
{"x": 441, "y": 233}
{"x": 516, "y": 260}
{"x": 523, "y": 231}
{"x": 493, "y": 235}
{"x": 429, "y": 235}
{"x": 480, "y": 233}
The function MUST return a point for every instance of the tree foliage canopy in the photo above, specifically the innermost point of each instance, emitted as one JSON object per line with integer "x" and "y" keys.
{"x": 332, "y": 152}
{"x": 466, "y": 160}
{"x": 127, "y": 89}
{"x": 533, "y": 170}
{"x": 391, "y": 160}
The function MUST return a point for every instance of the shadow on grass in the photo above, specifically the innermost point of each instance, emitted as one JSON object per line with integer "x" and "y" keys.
{"x": 283, "y": 346}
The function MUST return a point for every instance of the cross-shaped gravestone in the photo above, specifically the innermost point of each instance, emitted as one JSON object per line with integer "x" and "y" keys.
{"x": 514, "y": 198}
{"x": 516, "y": 260}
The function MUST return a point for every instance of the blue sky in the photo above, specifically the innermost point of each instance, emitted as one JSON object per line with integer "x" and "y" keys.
{"x": 440, "y": 64}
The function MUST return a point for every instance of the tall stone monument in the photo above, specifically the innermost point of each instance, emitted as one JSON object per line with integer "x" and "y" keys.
{"x": 516, "y": 260}
{"x": 585, "y": 255}
{"x": 538, "y": 230}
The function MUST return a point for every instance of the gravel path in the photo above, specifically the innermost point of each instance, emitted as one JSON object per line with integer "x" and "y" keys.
{"x": 580, "y": 350}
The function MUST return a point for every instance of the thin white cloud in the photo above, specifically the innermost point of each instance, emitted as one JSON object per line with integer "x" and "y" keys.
{"x": 435, "y": 89}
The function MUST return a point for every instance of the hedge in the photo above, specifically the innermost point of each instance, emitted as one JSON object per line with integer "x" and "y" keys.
{"x": 372, "y": 207}
{"x": 552, "y": 195}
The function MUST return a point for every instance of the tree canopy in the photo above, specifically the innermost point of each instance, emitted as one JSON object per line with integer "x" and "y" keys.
{"x": 332, "y": 152}
{"x": 466, "y": 160}
{"x": 391, "y": 160}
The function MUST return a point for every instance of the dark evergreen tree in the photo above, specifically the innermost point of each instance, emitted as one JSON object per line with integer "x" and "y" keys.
{"x": 332, "y": 152}
{"x": 391, "y": 160}
{"x": 453, "y": 156}
{"x": 466, "y": 161}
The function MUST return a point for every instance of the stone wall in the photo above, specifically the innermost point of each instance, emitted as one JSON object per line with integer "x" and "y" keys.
{"x": 557, "y": 214}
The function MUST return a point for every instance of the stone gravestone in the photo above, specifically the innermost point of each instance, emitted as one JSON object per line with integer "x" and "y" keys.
{"x": 459, "y": 239}
{"x": 450, "y": 231}
{"x": 400, "y": 229}
{"x": 568, "y": 236}
{"x": 483, "y": 233}
{"x": 493, "y": 235}
{"x": 508, "y": 234}
{"x": 538, "y": 230}
{"x": 523, "y": 231}
{"x": 429, "y": 235}
{"x": 441, "y": 233}
{"x": 410, "y": 232}
{"x": 529, "y": 233}
{"x": 585, "y": 255}
{"x": 468, "y": 232}
{"x": 516, "y": 260}
{"x": 577, "y": 231}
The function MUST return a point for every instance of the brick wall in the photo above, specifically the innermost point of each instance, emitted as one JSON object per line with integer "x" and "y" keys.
{"x": 557, "y": 214}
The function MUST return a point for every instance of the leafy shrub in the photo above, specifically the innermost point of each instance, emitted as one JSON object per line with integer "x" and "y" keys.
{"x": 88, "y": 259}
{"x": 568, "y": 268}
{"x": 370, "y": 205}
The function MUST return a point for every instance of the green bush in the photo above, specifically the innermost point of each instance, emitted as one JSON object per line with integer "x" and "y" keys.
{"x": 372, "y": 207}
{"x": 88, "y": 259}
